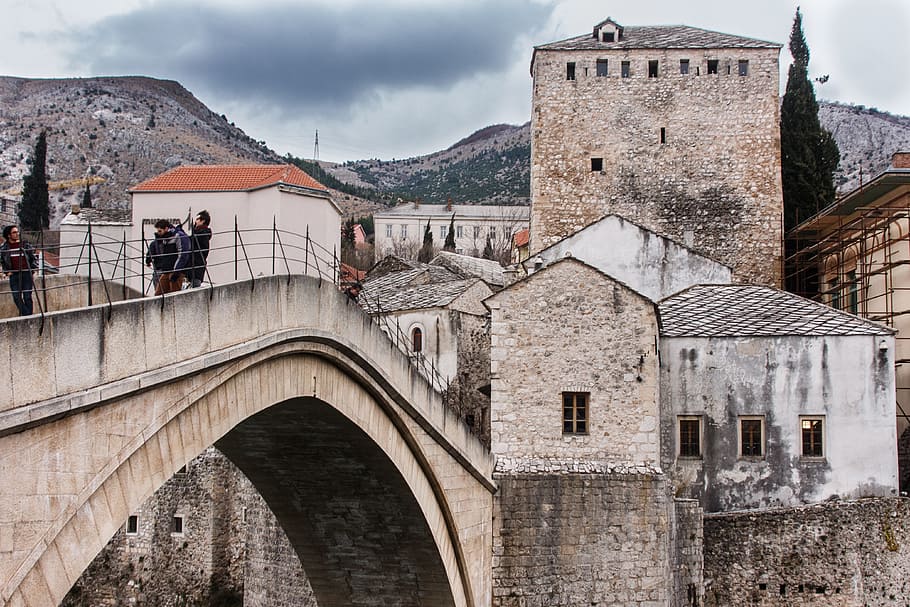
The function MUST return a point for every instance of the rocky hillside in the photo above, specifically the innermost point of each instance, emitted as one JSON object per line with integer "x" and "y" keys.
{"x": 866, "y": 137}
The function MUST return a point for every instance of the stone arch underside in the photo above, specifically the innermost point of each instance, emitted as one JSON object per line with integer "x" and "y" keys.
{"x": 322, "y": 405}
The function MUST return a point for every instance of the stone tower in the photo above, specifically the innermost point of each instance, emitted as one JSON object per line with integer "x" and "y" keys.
{"x": 673, "y": 127}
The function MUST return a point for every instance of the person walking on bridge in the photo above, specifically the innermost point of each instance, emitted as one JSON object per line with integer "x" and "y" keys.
{"x": 19, "y": 261}
{"x": 171, "y": 257}
{"x": 201, "y": 236}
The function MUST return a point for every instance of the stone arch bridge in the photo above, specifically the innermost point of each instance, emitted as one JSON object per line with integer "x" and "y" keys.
{"x": 385, "y": 495}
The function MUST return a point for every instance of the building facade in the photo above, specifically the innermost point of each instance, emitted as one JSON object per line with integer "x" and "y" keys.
{"x": 673, "y": 127}
{"x": 399, "y": 231}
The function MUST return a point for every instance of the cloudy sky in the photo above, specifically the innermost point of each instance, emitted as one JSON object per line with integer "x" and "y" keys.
{"x": 398, "y": 78}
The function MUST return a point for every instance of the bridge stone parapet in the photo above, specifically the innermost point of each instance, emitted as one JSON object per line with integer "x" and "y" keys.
{"x": 106, "y": 403}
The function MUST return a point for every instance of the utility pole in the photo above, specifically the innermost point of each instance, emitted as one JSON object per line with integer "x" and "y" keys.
{"x": 316, "y": 147}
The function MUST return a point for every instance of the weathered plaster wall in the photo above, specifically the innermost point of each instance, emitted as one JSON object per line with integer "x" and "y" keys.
{"x": 651, "y": 264}
{"x": 840, "y": 553}
{"x": 849, "y": 380}
{"x": 569, "y": 327}
{"x": 565, "y": 540}
{"x": 714, "y": 184}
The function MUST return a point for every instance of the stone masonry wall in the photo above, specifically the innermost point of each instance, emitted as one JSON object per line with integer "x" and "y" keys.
{"x": 473, "y": 373}
{"x": 581, "y": 539}
{"x": 570, "y": 328}
{"x": 687, "y": 539}
{"x": 836, "y": 553}
{"x": 714, "y": 184}
{"x": 231, "y": 552}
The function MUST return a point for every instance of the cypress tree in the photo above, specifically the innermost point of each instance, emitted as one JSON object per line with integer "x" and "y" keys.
{"x": 87, "y": 198}
{"x": 347, "y": 241}
{"x": 488, "y": 252}
{"x": 34, "y": 210}
{"x": 450, "y": 237}
{"x": 809, "y": 155}
{"x": 426, "y": 251}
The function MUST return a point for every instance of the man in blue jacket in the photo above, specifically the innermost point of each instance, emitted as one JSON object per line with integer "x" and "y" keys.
{"x": 173, "y": 257}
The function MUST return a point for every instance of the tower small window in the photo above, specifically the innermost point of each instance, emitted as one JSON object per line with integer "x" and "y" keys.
{"x": 609, "y": 36}
{"x": 652, "y": 68}
{"x": 597, "y": 164}
{"x": 712, "y": 66}
{"x": 177, "y": 525}
{"x": 683, "y": 66}
{"x": 132, "y": 525}
{"x": 575, "y": 412}
{"x": 625, "y": 69}
{"x": 743, "y": 67}
{"x": 663, "y": 134}
{"x": 601, "y": 67}
{"x": 417, "y": 340}
{"x": 570, "y": 70}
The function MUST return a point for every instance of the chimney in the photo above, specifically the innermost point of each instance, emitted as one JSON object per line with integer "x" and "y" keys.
{"x": 417, "y": 203}
{"x": 449, "y": 205}
{"x": 76, "y": 209}
{"x": 901, "y": 160}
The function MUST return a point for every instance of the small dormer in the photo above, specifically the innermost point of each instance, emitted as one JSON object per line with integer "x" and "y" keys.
{"x": 608, "y": 31}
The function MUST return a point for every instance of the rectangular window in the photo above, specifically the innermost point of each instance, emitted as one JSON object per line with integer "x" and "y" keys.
{"x": 683, "y": 66}
{"x": 834, "y": 293}
{"x": 652, "y": 68}
{"x": 601, "y": 67}
{"x": 442, "y": 231}
{"x": 177, "y": 525}
{"x": 132, "y": 525}
{"x": 575, "y": 412}
{"x": 597, "y": 164}
{"x": 457, "y": 231}
{"x": 751, "y": 436}
{"x": 712, "y": 66}
{"x": 404, "y": 231}
{"x": 476, "y": 231}
{"x": 388, "y": 230}
{"x": 570, "y": 70}
{"x": 743, "y": 67}
{"x": 608, "y": 36}
{"x": 812, "y": 430}
{"x": 690, "y": 437}
{"x": 852, "y": 292}
{"x": 625, "y": 69}
{"x": 492, "y": 232}
{"x": 663, "y": 134}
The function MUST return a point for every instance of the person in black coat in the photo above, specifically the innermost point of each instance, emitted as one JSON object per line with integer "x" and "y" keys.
{"x": 201, "y": 236}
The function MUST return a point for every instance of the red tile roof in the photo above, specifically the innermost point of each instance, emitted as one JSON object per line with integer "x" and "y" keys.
{"x": 522, "y": 237}
{"x": 227, "y": 178}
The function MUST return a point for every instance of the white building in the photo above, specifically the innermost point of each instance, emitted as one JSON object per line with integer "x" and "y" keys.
{"x": 399, "y": 231}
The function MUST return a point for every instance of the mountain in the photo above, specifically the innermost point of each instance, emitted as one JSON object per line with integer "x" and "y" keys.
{"x": 122, "y": 130}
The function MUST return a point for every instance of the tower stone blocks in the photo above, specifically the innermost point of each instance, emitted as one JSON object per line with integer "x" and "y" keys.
{"x": 673, "y": 127}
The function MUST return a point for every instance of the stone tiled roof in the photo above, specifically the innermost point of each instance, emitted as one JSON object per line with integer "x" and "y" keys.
{"x": 227, "y": 178}
{"x": 467, "y": 267}
{"x": 474, "y": 211}
{"x": 747, "y": 310}
{"x": 659, "y": 36}
{"x": 390, "y": 297}
{"x": 99, "y": 215}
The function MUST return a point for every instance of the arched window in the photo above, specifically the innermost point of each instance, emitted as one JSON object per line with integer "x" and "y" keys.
{"x": 416, "y": 340}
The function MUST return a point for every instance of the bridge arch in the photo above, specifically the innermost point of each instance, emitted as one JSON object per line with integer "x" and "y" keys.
{"x": 290, "y": 401}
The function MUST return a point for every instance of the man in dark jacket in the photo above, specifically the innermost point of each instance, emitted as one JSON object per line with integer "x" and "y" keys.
{"x": 201, "y": 236}
{"x": 171, "y": 258}
{"x": 19, "y": 261}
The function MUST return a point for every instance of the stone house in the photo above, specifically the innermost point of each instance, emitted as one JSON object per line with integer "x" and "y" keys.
{"x": 855, "y": 256}
{"x": 769, "y": 399}
{"x": 673, "y": 127}
{"x": 436, "y": 314}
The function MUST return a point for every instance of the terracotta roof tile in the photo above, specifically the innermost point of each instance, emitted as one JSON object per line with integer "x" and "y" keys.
{"x": 522, "y": 237}
{"x": 227, "y": 178}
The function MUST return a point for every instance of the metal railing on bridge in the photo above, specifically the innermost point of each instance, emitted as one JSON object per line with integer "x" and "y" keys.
{"x": 119, "y": 267}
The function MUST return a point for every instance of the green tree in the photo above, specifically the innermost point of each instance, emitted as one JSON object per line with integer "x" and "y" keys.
{"x": 34, "y": 210}
{"x": 87, "y": 198}
{"x": 450, "y": 237}
{"x": 809, "y": 155}
{"x": 425, "y": 254}
{"x": 488, "y": 252}
{"x": 347, "y": 241}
